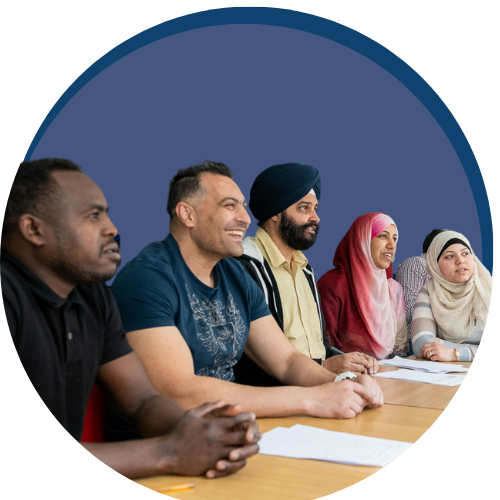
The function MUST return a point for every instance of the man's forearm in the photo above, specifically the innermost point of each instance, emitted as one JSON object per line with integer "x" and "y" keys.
{"x": 263, "y": 401}
{"x": 157, "y": 416}
{"x": 211, "y": 439}
{"x": 303, "y": 371}
{"x": 300, "y": 376}
{"x": 329, "y": 400}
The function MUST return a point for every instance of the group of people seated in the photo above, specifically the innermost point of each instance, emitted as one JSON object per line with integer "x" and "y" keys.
{"x": 211, "y": 315}
{"x": 436, "y": 307}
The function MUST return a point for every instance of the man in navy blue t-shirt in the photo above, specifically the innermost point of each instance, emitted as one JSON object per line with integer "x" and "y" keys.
{"x": 214, "y": 319}
{"x": 190, "y": 311}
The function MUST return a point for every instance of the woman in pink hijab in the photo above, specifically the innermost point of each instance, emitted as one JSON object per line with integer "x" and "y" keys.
{"x": 364, "y": 309}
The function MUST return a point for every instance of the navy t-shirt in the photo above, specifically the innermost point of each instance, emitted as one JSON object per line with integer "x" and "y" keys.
{"x": 158, "y": 289}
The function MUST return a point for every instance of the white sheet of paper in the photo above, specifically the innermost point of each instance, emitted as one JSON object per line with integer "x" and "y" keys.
{"x": 302, "y": 441}
{"x": 427, "y": 366}
{"x": 427, "y": 378}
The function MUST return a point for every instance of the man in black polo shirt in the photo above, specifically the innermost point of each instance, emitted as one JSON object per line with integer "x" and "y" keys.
{"x": 57, "y": 250}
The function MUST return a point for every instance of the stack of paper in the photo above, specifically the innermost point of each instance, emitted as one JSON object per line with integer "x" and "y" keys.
{"x": 425, "y": 366}
{"x": 302, "y": 441}
{"x": 427, "y": 378}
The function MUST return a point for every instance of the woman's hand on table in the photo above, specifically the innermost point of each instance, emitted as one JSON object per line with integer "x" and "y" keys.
{"x": 437, "y": 352}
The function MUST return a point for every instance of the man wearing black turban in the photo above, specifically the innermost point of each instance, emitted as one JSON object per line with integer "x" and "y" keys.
{"x": 284, "y": 200}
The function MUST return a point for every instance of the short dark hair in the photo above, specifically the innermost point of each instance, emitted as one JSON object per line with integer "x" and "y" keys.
{"x": 430, "y": 237}
{"x": 186, "y": 182}
{"x": 32, "y": 190}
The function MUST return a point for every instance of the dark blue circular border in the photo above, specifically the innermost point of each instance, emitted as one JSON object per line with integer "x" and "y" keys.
{"x": 326, "y": 29}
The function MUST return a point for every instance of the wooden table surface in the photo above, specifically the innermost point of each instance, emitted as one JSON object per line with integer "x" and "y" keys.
{"x": 269, "y": 477}
{"x": 402, "y": 392}
{"x": 410, "y": 409}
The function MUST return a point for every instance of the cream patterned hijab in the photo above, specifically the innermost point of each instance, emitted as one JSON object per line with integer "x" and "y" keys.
{"x": 457, "y": 307}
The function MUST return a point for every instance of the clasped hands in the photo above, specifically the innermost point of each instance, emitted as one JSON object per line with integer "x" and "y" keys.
{"x": 213, "y": 439}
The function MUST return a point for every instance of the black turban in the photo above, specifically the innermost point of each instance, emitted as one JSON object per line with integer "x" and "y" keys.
{"x": 280, "y": 186}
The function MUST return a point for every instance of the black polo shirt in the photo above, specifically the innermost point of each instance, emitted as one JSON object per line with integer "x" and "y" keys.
{"x": 61, "y": 342}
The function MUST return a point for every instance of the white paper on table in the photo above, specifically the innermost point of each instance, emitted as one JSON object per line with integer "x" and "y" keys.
{"x": 427, "y": 366}
{"x": 427, "y": 378}
{"x": 302, "y": 441}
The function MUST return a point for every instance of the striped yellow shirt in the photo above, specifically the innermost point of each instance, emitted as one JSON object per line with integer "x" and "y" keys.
{"x": 300, "y": 313}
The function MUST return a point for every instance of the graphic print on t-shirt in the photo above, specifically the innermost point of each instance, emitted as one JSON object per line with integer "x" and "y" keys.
{"x": 221, "y": 331}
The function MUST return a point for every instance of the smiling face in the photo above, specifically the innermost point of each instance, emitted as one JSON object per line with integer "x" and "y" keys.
{"x": 457, "y": 263}
{"x": 383, "y": 247}
{"x": 299, "y": 224}
{"x": 221, "y": 217}
{"x": 80, "y": 248}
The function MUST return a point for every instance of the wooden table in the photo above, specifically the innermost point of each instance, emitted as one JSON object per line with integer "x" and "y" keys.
{"x": 410, "y": 409}
{"x": 402, "y": 392}
{"x": 269, "y": 477}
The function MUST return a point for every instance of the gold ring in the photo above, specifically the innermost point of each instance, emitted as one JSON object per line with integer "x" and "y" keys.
{"x": 430, "y": 352}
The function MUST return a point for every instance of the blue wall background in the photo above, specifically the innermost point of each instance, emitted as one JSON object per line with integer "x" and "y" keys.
{"x": 251, "y": 96}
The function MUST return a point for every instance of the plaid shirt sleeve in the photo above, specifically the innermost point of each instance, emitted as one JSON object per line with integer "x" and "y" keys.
{"x": 412, "y": 276}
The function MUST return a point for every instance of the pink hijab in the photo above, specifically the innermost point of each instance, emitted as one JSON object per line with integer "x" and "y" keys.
{"x": 362, "y": 307}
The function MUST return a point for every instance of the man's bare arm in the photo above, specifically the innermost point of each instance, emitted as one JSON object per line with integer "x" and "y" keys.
{"x": 169, "y": 365}
{"x": 126, "y": 384}
{"x": 275, "y": 354}
{"x": 294, "y": 368}
{"x": 185, "y": 442}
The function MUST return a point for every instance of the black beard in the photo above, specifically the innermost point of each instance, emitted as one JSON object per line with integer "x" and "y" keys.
{"x": 295, "y": 236}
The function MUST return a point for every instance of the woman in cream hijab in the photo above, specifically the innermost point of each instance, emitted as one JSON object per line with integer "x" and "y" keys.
{"x": 451, "y": 309}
